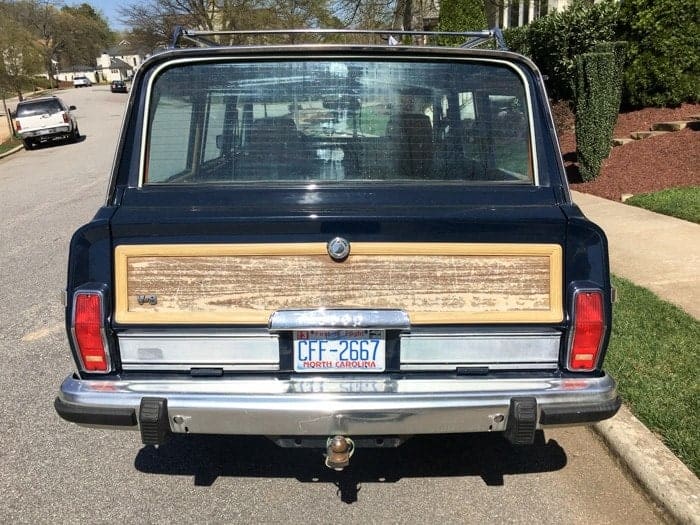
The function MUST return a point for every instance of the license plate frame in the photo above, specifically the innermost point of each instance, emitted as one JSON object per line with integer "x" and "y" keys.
{"x": 339, "y": 351}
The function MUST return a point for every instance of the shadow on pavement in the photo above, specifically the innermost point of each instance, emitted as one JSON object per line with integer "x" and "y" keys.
{"x": 486, "y": 455}
{"x": 59, "y": 142}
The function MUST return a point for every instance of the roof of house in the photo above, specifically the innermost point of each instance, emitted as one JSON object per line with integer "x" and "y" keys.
{"x": 79, "y": 68}
{"x": 122, "y": 49}
{"x": 116, "y": 63}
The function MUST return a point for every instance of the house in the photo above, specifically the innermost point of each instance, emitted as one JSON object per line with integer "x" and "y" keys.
{"x": 67, "y": 75}
{"x": 119, "y": 62}
{"x": 501, "y": 13}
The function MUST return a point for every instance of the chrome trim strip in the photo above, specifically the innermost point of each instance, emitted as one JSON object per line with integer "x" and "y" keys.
{"x": 446, "y": 367}
{"x": 322, "y": 318}
{"x": 226, "y": 367}
{"x": 182, "y": 350}
{"x": 311, "y": 57}
{"x": 317, "y": 406}
{"x": 441, "y": 351}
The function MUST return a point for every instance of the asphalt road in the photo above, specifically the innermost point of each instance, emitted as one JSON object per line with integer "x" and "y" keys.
{"x": 53, "y": 471}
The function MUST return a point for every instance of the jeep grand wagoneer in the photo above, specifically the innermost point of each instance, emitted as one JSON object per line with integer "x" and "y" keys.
{"x": 338, "y": 245}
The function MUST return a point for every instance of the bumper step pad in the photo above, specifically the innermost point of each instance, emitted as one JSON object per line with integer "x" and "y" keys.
{"x": 153, "y": 420}
{"x": 522, "y": 421}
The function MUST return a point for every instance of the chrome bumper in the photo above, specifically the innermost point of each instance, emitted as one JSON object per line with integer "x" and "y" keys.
{"x": 47, "y": 132}
{"x": 328, "y": 406}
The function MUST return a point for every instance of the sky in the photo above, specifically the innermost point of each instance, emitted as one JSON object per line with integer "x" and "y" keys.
{"x": 108, "y": 8}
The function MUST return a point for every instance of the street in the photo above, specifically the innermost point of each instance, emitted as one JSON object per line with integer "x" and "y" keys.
{"x": 54, "y": 471}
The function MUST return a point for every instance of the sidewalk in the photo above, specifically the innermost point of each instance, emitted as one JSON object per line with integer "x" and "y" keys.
{"x": 655, "y": 251}
{"x": 662, "y": 254}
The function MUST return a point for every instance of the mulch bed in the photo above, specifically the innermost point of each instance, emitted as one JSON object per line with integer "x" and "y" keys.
{"x": 644, "y": 166}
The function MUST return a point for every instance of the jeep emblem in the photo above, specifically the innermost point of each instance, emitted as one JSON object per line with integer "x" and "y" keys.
{"x": 338, "y": 249}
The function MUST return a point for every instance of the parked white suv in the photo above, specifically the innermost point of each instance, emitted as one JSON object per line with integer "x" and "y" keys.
{"x": 81, "y": 82}
{"x": 43, "y": 119}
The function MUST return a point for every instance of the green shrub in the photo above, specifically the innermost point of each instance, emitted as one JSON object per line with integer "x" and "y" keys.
{"x": 664, "y": 38}
{"x": 553, "y": 41}
{"x": 517, "y": 39}
{"x": 598, "y": 79}
{"x": 461, "y": 15}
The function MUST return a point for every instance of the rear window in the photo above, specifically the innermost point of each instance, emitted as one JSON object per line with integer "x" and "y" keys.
{"x": 39, "y": 108}
{"x": 338, "y": 122}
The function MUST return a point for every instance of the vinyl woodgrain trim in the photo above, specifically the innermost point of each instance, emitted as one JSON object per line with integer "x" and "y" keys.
{"x": 436, "y": 283}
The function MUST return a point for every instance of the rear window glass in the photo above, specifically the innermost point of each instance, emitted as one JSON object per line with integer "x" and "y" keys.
{"x": 39, "y": 108}
{"x": 338, "y": 122}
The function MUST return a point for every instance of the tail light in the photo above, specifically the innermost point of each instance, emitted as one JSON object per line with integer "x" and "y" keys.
{"x": 18, "y": 126}
{"x": 588, "y": 330}
{"x": 89, "y": 333}
{"x": 66, "y": 118}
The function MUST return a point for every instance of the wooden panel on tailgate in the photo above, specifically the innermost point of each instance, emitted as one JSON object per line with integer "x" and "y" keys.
{"x": 436, "y": 283}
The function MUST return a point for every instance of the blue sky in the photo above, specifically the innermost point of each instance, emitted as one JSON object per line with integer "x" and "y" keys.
{"x": 108, "y": 8}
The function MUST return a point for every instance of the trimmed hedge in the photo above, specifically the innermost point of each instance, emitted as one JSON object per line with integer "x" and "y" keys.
{"x": 611, "y": 104}
{"x": 598, "y": 87}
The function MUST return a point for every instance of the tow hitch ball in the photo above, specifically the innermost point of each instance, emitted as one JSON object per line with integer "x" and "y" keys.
{"x": 339, "y": 450}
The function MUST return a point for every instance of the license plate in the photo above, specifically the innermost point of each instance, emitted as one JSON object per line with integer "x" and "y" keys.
{"x": 44, "y": 131}
{"x": 339, "y": 351}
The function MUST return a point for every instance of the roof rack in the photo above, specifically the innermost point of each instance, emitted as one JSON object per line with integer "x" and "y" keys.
{"x": 393, "y": 38}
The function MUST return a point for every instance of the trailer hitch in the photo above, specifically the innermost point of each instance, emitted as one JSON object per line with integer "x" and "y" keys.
{"x": 339, "y": 450}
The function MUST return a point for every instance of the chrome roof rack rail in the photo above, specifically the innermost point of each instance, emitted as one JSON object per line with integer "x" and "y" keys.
{"x": 392, "y": 37}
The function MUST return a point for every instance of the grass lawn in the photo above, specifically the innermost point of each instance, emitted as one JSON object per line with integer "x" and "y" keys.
{"x": 654, "y": 355}
{"x": 8, "y": 145}
{"x": 683, "y": 203}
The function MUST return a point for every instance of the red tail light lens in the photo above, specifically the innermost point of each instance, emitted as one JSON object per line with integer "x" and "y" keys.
{"x": 18, "y": 126}
{"x": 88, "y": 332}
{"x": 66, "y": 118}
{"x": 588, "y": 330}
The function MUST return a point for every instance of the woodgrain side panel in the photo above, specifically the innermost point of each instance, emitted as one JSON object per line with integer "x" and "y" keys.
{"x": 434, "y": 283}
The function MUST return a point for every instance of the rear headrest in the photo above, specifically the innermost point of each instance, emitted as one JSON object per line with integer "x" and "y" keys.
{"x": 406, "y": 123}
{"x": 274, "y": 129}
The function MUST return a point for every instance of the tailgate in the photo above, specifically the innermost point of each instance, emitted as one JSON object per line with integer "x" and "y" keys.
{"x": 481, "y": 290}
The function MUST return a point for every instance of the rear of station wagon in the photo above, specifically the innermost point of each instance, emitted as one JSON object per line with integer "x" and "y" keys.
{"x": 338, "y": 246}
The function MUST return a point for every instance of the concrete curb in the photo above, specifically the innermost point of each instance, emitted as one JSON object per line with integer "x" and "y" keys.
{"x": 660, "y": 473}
{"x": 8, "y": 153}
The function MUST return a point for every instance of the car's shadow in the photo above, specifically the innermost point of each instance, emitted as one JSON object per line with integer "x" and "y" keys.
{"x": 59, "y": 142}
{"x": 488, "y": 456}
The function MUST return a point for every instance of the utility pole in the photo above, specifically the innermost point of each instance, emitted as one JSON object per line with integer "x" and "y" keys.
{"x": 10, "y": 124}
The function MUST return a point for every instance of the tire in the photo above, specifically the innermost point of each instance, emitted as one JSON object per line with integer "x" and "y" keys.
{"x": 75, "y": 136}
{"x": 28, "y": 144}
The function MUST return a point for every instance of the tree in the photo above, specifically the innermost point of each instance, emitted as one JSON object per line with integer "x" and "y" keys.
{"x": 41, "y": 18}
{"x": 369, "y": 14}
{"x": 90, "y": 35}
{"x": 152, "y": 22}
{"x": 66, "y": 35}
{"x": 20, "y": 57}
